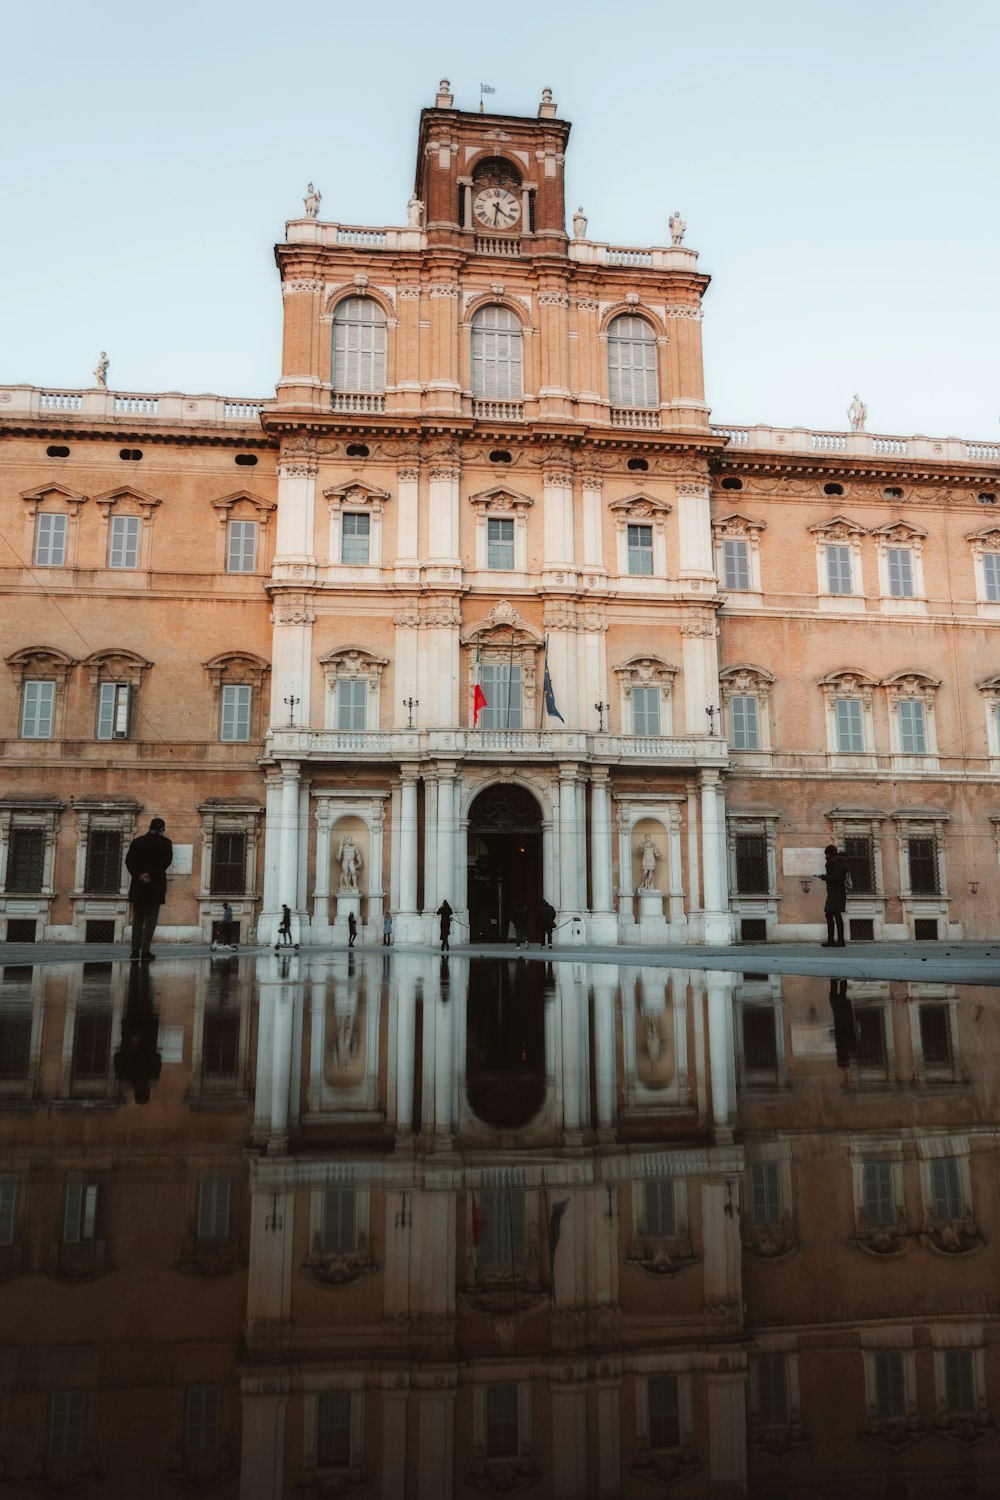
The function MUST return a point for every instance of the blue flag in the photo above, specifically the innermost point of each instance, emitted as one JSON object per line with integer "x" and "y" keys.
{"x": 550, "y": 697}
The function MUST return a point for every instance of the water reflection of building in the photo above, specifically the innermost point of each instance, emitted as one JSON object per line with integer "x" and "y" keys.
{"x": 411, "y": 1226}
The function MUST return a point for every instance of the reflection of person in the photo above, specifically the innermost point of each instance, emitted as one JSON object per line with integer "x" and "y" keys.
{"x": 836, "y": 896}
{"x": 845, "y": 1037}
{"x": 147, "y": 861}
{"x": 387, "y": 930}
{"x": 445, "y": 913}
{"x": 137, "y": 1061}
{"x": 352, "y": 929}
{"x": 349, "y": 859}
{"x": 285, "y": 927}
{"x": 546, "y": 922}
{"x": 650, "y": 854}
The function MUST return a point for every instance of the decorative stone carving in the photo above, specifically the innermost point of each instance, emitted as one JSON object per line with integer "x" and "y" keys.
{"x": 640, "y": 507}
{"x": 677, "y": 227}
{"x": 415, "y": 212}
{"x": 738, "y": 525}
{"x": 443, "y": 289}
{"x": 580, "y": 224}
{"x": 857, "y": 413}
{"x": 447, "y": 472}
{"x": 702, "y": 628}
{"x": 497, "y": 288}
{"x": 407, "y": 613}
{"x": 301, "y": 286}
{"x": 409, "y": 293}
{"x": 553, "y": 299}
{"x": 312, "y": 201}
{"x": 682, "y": 310}
{"x": 632, "y": 299}
{"x": 838, "y": 529}
{"x": 649, "y": 854}
{"x": 355, "y": 495}
{"x": 408, "y": 476}
{"x": 349, "y": 860}
{"x": 587, "y": 304}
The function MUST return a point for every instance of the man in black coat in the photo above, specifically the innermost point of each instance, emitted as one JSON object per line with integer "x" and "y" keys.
{"x": 147, "y": 861}
{"x": 836, "y": 895}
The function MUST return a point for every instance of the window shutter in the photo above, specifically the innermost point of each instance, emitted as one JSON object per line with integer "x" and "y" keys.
{"x": 359, "y": 345}
{"x": 772, "y": 1389}
{"x": 900, "y": 561}
{"x": 66, "y": 1424}
{"x": 202, "y": 1427}
{"x": 662, "y": 1405}
{"x": 658, "y": 1206}
{"x": 879, "y": 1206}
{"x": 497, "y": 355}
{"x": 8, "y": 1206}
{"x": 765, "y": 1192}
{"x": 735, "y": 564}
{"x": 645, "y": 710}
{"x": 960, "y": 1395}
{"x": 212, "y": 1221}
{"x": 991, "y": 575}
{"x": 50, "y": 541}
{"x": 946, "y": 1188}
{"x": 340, "y": 1234}
{"x": 632, "y": 376}
{"x": 38, "y": 710}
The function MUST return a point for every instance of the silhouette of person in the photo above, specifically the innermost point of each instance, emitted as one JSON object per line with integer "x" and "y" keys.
{"x": 285, "y": 927}
{"x": 546, "y": 922}
{"x": 845, "y": 1036}
{"x": 445, "y": 913}
{"x": 147, "y": 861}
{"x": 352, "y": 929}
{"x": 835, "y": 879}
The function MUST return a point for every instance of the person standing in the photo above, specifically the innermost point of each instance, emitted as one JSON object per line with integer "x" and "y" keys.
{"x": 835, "y": 879}
{"x": 285, "y": 927}
{"x": 387, "y": 930}
{"x": 352, "y": 929}
{"x": 520, "y": 915}
{"x": 444, "y": 912}
{"x": 546, "y": 922}
{"x": 147, "y": 861}
{"x": 226, "y": 926}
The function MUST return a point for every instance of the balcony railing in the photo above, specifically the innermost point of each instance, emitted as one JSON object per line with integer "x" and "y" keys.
{"x": 496, "y": 244}
{"x": 498, "y": 411}
{"x": 361, "y": 401}
{"x": 520, "y": 744}
{"x": 634, "y": 416}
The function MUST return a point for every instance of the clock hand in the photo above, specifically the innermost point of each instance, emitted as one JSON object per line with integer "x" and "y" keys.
{"x": 496, "y": 211}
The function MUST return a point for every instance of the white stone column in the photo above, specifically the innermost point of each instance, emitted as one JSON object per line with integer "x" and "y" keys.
{"x": 550, "y": 843}
{"x": 569, "y": 1047}
{"x": 557, "y": 522}
{"x": 281, "y": 999}
{"x": 431, "y": 834}
{"x": 694, "y": 872}
{"x": 436, "y": 1432}
{"x": 395, "y": 817}
{"x": 288, "y": 862}
{"x": 700, "y": 674}
{"x": 603, "y": 923}
{"x": 302, "y": 843}
{"x": 694, "y": 526}
{"x": 271, "y": 911}
{"x": 570, "y": 1445}
{"x": 321, "y": 875}
{"x": 626, "y": 909}
{"x": 593, "y": 517}
{"x": 444, "y": 1073}
{"x": 407, "y": 512}
{"x": 605, "y": 981}
{"x": 721, "y": 1052}
{"x": 394, "y": 1400}
{"x": 674, "y": 874}
{"x": 461, "y": 860}
{"x": 442, "y": 532}
{"x": 406, "y": 1030}
{"x": 609, "y": 1435}
{"x": 263, "y": 1399}
{"x": 446, "y": 837}
{"x": 717, "y": 924}
{"x": 317, "y": 1043}
{"x": 570, "y": 846}
{"x": 376, "y": 835}
{"x": 407, "y": 922}
{"x": 727, "y": 1431}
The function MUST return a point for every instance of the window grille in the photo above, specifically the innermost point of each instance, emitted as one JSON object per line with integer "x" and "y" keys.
{"x": 859, "y": 853}
{"x": 664, "y": 1411}
{"x": 15, "y": 1042}
{"x": 772, "y": 1389}
{"x": 753, "y": 930}
{"x": 850, "y": 726}
{"x": 212, "y": 1216}
{"x": 50, "y": 541}
{"x": 946, "y": 1189}
{"x": 838, "y": 570}
{"x": 67, "y": 1410}
{"x": 8, "y": 1211}
{"x": 912, "y": 727}
{"x": 201, "y": 1422}
{"x": 499, "y": 543}
{"x": 645, "y": 710}
{"x": 241, "y": 547}
{"x": 760, "y": 1048}
{"x": 879, "y": 1205}
{"x": 91, "y": 1044}
{"x": 123, "y": 542}
{"x": 497, "y": 355}
{"x": 220, "y": 1046}
{"x": 501, "y": 1216}
{"x": 862, "y": 930}
{"x": 765, "y": 1192}
{"x": 501, "y": 684}
{"x": 229, "y": 859}
{"x": 659, "y": 1217}
{"x": 236, "y": 702}
{"x": 355, "y": 537}
{"x": 744, "y": 723}
{"x": 501, "y": 1421}
{"x": 26, "y": 860}
{"x": 751, "y": 864}
{"x": 935, "y": 1034}
{"x": 925, "y": 929}
{"x": 37, "y": 710}
{"x": 340, "y": 1232}
{"x": 640, "y": 551}
{"x": 359, "y": 344}
{"x": 900, "y": 561}
{"x": 959, "y": 1385}
{"x": 333, "y": 1430}
{"x": 632, "y": 377}
{"x": 890, "y": 1388}
{"x": 114, "y": 703}
{"x": 735, "y": 564}
{"x": 352, "y": 703}
{"x": 104, "y": 860}
{"x": 870, "y": 1025}
{"x": 922, "y": 857}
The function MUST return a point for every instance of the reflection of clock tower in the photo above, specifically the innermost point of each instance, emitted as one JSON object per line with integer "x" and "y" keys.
{"x": 493, "y": 177}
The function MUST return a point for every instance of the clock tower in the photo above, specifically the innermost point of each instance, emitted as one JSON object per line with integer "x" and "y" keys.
{"x": 493, "y": 178}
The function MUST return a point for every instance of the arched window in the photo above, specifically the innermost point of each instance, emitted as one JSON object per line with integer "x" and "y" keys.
{"x": 632, "y": 363}
{"x": 358, "y": 345}
{"x": 497, "y": 355}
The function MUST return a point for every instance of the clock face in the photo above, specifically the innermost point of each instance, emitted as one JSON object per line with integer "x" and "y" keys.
{"x": 496, "y": 208}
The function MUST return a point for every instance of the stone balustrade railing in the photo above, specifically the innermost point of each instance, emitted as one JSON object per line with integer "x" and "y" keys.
{"x": 498, "y": 411}
{"x": 114, "y": 406}
{"x": 859, "y": 444}
{"x": 404, "y": 744}
{"x": 653, "y": 257}
{"x": 354, "y": 236}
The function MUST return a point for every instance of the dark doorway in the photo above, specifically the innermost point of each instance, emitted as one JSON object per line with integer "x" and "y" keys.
{"x": 505, "y": 1041}
{"x": 505, "y": 861}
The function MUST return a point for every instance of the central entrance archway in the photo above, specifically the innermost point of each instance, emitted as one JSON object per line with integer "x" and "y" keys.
{"x": 505, "y": 861}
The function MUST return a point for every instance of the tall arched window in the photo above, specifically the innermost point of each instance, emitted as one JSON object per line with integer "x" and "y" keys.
{"x": 497, "y": 355}
{"x": 632, "y": 363}
{"x": 358, "y": 345}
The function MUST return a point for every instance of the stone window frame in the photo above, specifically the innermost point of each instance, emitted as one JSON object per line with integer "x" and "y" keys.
{"x": 739, "y": 527}
{"x": 119, "y": 815}
{"x": 61, "y": 501}
{"x": 641, "y": 509}
{"x": 920, "y": 687}
{"x": 922, "y": 822}
{"x": 747, "y": 680}
{"x": 360, "y": 291}
{"x": 492, "y": 639}
{"x": 778, "y": 1345}
{"x": 483, "y": 1462}
{"x": 753, "y": 1079}
{"x": 839, "y": 531}
{"x": 358, "y": 498}
{"x": 521, "y": 308}
{"x": 863, "y": 822}
{"x": 31, "y": 812}
{"x": 238, "y": 669}
{"x": 968, "y": 1339}
{"x": 27, "y": 999}
{"x": 901, "y": 534}
{"x": 981, "y": 542}
{"x": 989, "y": 690}
{"x": 347, "y": 1383}
{"x": 118, "y": 666}
{"x": 850, "y": 683}
{"x": 632, "y": 306}
{"x": 762, "y": 822}
{"x": 354, "y": 663}
{"x": 646, "y": 669}
{"x": 925, "y": 1072}
{"x": 889, "y": 1341}
{"x": 957, "y": 1149}
{"x": 226, "y": 815}
{"x": 680, "y": 1369}
{"x": 133, "y": 502}
{"x": 42, "y": 664}
{"x": 502, "y": 503}
{"x": 779, "y": 1237}
{"x": 243, "y": 505}
{"x": 338, "y": 1269}
{"x": 876, "y": 1150}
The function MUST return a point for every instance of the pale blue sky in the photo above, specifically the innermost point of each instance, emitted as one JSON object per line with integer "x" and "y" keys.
{"x": 836, "y": 165}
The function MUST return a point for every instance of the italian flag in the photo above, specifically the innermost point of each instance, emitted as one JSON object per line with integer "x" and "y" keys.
{"x": 478, "y": 696}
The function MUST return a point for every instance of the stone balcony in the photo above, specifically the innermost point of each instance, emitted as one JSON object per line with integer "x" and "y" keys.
{"x": 845, "y": 446}
{"x": 43, "y": 403}
{"x": 495, "y": 744}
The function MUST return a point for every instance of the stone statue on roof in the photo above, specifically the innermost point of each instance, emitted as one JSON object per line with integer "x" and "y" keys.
{"x": 313, "y": 199}
{"x": 858, "y": 413}
{"x": 677, "y": 227}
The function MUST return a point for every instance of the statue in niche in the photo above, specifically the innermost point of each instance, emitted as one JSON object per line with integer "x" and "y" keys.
{"x": 415, "y": 213}
{"x": 677, "y": 227}
{"x": 349, "y": 859}
{"x": 858, "y": 413}
{"x": 313, "y": 199}
{"x": 580, "y": 225}
{"x": 650, "y": 854}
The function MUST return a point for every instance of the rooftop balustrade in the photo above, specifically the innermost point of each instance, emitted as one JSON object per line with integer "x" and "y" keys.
{"x": 114, "y": 406}
{"x": 848, "y": 445}
{"x": 516, "y": 744}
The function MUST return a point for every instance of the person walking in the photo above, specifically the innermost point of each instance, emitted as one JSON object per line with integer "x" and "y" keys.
{"x": 444, "y": 912}
{"x": 387, "y": 930}
{"x": 352, "y": 929}
{"x": 520, "y": 915}
{"x": 546, "y": 922}
{"x": 147, "y": 861}
{"x": 285, "y": 927}
{"x": 226, "y": 927}
{"x": 835, "y": 879}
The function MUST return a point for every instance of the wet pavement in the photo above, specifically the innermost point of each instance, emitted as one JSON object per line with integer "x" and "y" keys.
{"x": 589, "y": 1223}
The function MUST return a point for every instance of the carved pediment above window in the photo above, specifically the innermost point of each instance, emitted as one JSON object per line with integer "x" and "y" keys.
{"x": 645, "y": 671}
{"x": 838, "y": 529}
{"x": 128, "y": 499}
{"x": 899, "y": 532}
{"x": 500, "y": 498}
{"x": 57, "y": 496}
{"x": 640, "y": 508}
{"x": 848, "y": 684}
{"x": 912, "y": 685}
{"x": 744, "y": 680}
{"x": 355, "y": 495}
{"x": 116, "y": 666}
{"x": 737, "y": 525}
{"x": 237, "y": 667}
{"x": 987, "y": 540}
{"x": 336, "y": 1269}
{"x": 40, "y": 661}
{"x": 990, "y": 688}
{"x": 225, "y": 506}
{"x": 353, "y": 662}
{"x": 502, "y": 625}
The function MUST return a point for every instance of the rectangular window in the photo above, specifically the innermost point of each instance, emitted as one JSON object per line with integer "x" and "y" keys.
{"x": 104, "y": 860}
{"x": 935, "y": 1035}
{"x": 991, "y": 576}
{"x": 501, "y": 1226}
{"x": 499, "y": 543}
{"x": 900, "y": 561}
{"x": 890, "y": 1388}
{"x": 352, "y": 703}
{"x": 772, "y": 1389}
{"x": 333, "y": 1430}
{"x": 241, "y": 547}
{"x": 640, "y": 551}
{"x": 123, "y": 542}
{"x": 860, "y": 856}
{"x": 114, "y": 703}
{"x": 870, "y": 1026}
{"x": 501, "y": 684}
{"x": 879, "y": 1205}
{"x": 760, "y": 1047}
{"x": 501, "y": 1421}
{"x": 8, "y": 1210}
{"x": 959, "y": 1386}
{"x": 765, "y": 1193}
{"x": 751, "y": 864}
{"x": 838, "y": 570}
{"x": 340, "y": 1213}
{"x": 664, "y": 1411}
{"x": 91, "y": 1043}
{"x": 203, "y": 1407}
{"x": 15, "y": 1043}
{"x": 212, "y": 1217}
{"x": 946, "y": 1188}
{"x": 744, "y": 724}
{"x": 220, "y": 1046}
{"x": 26, "y": 859}
{"x": 79, "y": 1211}
{"x": 229, "y": 858}
{"x": 850, "y": 727}
{"x": 67, "y": 1410}
{"x": 659, "y": 1218}
{"x": 50, "y": 541}
{"x": 38, "y": 704}
{"x": 355, "y": 537}
{"x": 645, "y": 710}
{"x": 912, "y": 727}
{"x": 236, "y": 703}
{"x": 735, "y": 564}
{"x": 922, "y": 857}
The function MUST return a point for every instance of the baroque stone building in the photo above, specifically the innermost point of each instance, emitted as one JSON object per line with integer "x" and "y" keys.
{"x": 488, "y": 477}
